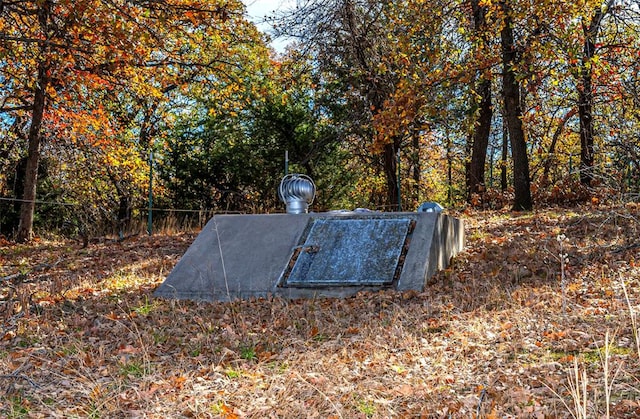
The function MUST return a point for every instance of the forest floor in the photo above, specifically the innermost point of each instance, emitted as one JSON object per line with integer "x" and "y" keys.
{"x": 511, "y": 329}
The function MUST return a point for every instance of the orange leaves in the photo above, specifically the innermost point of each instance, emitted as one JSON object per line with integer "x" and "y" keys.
{"x": 191, "y": 16}
{"x": 112, "y": 316}
{"x": 227, "y": 412}
{"x": 555, "y": 335}
{"x": 396, "y": 118}
{"x": 465, "y": 346}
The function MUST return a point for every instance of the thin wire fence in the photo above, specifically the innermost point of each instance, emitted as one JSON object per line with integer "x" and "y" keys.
{"x": 73, "y": 221}
{"x": 78, "y": 220}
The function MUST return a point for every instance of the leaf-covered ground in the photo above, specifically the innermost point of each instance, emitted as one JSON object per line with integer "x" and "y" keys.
{"x": 498, "y": 334}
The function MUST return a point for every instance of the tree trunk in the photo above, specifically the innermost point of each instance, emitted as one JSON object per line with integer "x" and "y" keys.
{"x": 27, "y": 209}
{"x": 480, "y": 138}
{"x": 585, "y": 108}
{"x": 391, "y": 174}
{"x": 417, "y": 167}
{"x": 475, "y": 176}
{"x": 376, "y": 92}
{"x": 513, "y": 115}
{"x": 449, "y": 171}
{"x": 585, "y": 93}
{"x": 504, "y": 184}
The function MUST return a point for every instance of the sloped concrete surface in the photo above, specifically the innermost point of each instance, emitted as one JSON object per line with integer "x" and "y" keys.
{"x": 245, "y": 256}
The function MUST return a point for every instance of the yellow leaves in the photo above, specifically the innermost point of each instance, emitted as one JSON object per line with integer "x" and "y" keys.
{"x": 51, "y": 92}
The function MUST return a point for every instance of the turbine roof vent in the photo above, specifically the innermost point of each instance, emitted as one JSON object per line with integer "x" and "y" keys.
{"x": 297, "y": 191}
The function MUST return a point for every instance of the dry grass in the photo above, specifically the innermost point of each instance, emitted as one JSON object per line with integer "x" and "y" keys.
{"x": 82, "y": 336}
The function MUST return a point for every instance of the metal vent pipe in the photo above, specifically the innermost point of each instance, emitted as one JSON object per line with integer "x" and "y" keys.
{"x": 297, "y": 191}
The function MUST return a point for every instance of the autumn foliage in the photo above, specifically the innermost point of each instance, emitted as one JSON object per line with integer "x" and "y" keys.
{"x": 90, "y": 83}
{"x": 386, "y": 104}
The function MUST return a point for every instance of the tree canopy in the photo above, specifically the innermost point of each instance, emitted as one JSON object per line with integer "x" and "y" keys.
{"x": 385, "y": 104}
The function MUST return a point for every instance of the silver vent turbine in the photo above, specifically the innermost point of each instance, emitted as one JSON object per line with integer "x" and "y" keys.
{"x": 297, "y": 191}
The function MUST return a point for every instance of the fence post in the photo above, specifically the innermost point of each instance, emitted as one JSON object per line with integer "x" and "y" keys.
{"x": 150, "y": 219}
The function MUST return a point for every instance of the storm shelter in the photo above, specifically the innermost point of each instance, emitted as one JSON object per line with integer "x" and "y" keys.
{"x": 313, "y": 255}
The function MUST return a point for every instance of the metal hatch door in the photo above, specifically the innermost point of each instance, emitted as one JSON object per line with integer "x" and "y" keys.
{"x": 349, "y": 252}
